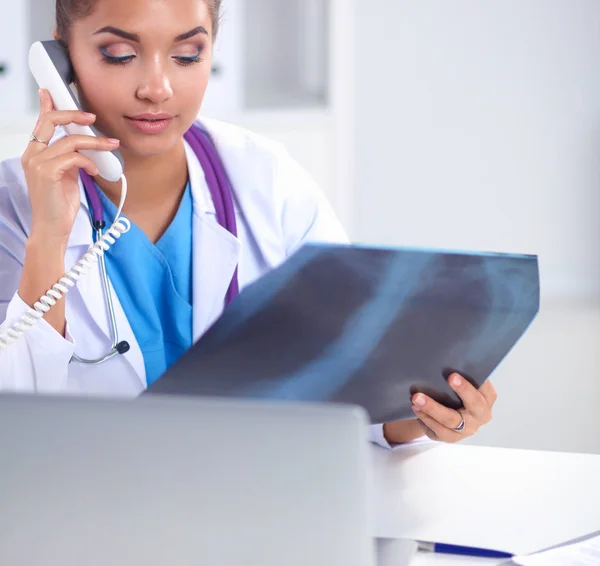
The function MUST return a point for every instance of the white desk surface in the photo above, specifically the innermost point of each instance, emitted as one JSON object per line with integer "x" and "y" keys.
{"x": 517, "y": 501}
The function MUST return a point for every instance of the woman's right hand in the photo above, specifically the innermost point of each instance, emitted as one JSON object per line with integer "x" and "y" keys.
{"x": 52, "y": 172}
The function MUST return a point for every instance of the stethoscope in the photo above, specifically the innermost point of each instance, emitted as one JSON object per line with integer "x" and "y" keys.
{"x": 220, "y": 190}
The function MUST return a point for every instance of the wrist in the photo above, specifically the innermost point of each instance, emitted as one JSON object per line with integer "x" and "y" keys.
{"x": 401, "y": 432}
{"x": 51, "y": 245}
{"x": 43, "y": 266}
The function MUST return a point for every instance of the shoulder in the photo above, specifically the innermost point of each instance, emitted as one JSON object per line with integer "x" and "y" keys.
{"x": 257, "y": 164}
{"x": 256, "y": 158}
{"x": 11, "y": 172}
{"x": 231, "y": 138}
{"x": 13, "y": 189}
{"x": 271, "y": 187}
{"x": 15, "y": 210}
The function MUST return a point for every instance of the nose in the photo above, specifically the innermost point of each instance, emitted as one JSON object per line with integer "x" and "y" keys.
{"x": 155, "y": 85}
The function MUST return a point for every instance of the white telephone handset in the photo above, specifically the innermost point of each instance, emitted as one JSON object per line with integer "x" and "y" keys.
{"x": 50, "y": 65}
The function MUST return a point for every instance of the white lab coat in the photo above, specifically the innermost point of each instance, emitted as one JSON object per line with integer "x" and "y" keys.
{"x": 278, "y": 208}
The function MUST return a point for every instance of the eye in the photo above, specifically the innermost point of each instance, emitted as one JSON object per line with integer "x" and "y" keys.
{"x": 194, "y": 57}
{"x": 189, "y": 60}
{"x": 115, "y": 59}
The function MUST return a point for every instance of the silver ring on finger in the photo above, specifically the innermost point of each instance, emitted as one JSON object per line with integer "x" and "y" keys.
{"x": 34, "y": 138}
{"x": 461, "y": 426}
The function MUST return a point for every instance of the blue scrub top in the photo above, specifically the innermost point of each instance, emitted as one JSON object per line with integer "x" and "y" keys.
{"x": 154, "y": 285}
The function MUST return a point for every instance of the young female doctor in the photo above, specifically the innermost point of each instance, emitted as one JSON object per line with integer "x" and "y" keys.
{"x": 142, "y": 67}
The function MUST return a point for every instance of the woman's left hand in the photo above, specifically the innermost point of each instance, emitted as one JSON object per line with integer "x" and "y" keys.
{"x": 442, "y": 424}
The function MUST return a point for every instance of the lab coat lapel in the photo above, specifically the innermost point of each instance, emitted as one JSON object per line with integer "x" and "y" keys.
{"x": 215, "y": 253}
{"x": 214, "y": 259}
{"x": 89, "y": 291}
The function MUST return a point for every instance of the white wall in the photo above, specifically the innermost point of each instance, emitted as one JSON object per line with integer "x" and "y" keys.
{"x": 478, "y": 127}
{"x": 13, "y": 55}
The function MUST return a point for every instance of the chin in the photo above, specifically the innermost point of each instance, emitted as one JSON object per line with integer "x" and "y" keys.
{"x": 149, "y": 146}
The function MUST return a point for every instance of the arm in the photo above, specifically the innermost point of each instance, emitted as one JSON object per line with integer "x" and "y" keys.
{"x": 39, "y": 360}
{"x": 35, "y": 226}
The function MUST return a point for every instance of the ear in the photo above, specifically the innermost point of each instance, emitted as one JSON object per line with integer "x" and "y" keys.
{"x": 55, "y": 35}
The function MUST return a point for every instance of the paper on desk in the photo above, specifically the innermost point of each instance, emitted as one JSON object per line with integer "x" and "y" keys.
{"x": 583, "y": 553}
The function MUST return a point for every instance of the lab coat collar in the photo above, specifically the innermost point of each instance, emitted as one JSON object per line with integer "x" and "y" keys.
{"x": 215, "y": 258}
{"x": 203, "y": 203}
{"x": 215, "y": 252}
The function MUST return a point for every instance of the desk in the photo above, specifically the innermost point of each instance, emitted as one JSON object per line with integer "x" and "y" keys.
{"x": 513, "y": 500}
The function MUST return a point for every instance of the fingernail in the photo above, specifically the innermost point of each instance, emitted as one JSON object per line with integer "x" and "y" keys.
{"x": 457, "y": 381}
{"x": 90, "y": 115}
{"x": 113, "y": 140}
{"x": 420, "y": 400}
{"x": 416, "y": 409}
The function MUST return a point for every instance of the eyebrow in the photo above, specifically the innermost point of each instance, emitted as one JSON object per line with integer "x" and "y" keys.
{"x": 135, "y": 37}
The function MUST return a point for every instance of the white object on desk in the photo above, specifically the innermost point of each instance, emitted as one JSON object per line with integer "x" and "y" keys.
{"x": 510, "y": 500}
{"x": 395, "y": 552}
{"x": 582, "y": 553}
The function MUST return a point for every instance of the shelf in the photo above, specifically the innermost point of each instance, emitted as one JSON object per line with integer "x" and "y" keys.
{"x": 286, "y": 54}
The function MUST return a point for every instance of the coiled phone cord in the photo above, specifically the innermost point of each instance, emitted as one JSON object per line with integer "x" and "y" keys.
{"x": 119, "y": 227}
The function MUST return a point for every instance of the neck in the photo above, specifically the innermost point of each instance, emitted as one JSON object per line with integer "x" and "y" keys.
{"x": 152, "y": 181}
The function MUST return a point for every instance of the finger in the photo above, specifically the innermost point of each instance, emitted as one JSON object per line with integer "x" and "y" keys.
{"x": 450, "y": 418}
{"x": 46, "y": 106}
{"x": 34, "y": 147}
{"x": 49, "y": 119}
{"x": 427, "y": 431}
{"x": 489, "y": 392}
{"x": 48, "y": 122}
{"x": 57, "y": 167}
{"x": 442, "y": 433}
{"x": 473, "y": 401}
{"x": 73, "y": 143}
{"x": 46, "y": 102}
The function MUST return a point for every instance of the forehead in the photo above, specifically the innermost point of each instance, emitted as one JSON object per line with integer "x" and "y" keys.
{"x": 149, "y": 16}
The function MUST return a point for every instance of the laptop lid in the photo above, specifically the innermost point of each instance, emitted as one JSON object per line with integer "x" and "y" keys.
{"x": 169, "y": 481}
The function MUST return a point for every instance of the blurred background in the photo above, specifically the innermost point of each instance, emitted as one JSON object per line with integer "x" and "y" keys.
{"x": 439, "y": 123}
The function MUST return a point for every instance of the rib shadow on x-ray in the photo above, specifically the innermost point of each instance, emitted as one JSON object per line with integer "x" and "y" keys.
{"x": 366, "y": 326}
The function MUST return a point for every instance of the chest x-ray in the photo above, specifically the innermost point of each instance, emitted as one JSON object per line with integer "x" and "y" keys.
{"x": 364, "y": 326}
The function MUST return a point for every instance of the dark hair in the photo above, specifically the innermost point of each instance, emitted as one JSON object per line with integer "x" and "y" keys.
{"x": 68, "y": 11}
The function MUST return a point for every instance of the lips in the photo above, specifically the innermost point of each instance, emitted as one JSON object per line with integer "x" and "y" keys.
{"x": 148, "y": 117}
{"x": 151, "y": 124}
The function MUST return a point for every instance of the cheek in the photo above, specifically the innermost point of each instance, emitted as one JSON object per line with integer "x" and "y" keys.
{"x": 190, "y": 90}
{"x": 101, "y": 92}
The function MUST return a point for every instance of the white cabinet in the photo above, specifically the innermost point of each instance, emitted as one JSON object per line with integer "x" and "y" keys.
{"x": 271, "y": 55}
{"x": 224, "y": 95}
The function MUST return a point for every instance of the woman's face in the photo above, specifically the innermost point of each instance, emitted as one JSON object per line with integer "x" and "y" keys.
{"x": 135, "y": 57}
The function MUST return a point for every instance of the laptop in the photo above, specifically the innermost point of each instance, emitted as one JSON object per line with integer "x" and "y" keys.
{"x": 170, "y": 481}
